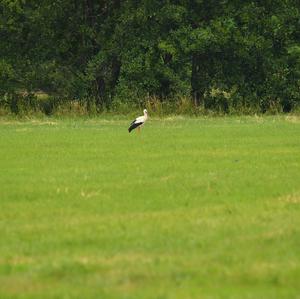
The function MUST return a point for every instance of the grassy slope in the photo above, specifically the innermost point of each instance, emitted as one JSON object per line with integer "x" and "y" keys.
{"x": 191, "y": 208}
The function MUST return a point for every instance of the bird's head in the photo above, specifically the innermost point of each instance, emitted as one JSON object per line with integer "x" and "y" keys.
{"x": 145, "y": 111}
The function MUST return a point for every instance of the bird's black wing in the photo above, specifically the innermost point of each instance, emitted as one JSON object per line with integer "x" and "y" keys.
{"x": 134, "y": 125}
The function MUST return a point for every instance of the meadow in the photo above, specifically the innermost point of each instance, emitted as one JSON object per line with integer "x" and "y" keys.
{"x": 204, "y": 207}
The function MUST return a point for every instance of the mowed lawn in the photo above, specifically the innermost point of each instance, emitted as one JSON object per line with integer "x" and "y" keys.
{"x": 190, "y": 208}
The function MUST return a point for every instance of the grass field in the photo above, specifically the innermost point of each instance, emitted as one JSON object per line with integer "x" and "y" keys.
{"x": 190, "y": 208}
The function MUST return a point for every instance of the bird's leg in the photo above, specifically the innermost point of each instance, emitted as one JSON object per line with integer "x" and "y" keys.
{"x": 139, "y": 129}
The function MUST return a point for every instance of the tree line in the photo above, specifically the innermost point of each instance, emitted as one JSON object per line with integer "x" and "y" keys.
{"x": 218, "y": 54}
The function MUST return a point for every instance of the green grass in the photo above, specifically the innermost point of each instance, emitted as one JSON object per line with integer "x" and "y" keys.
{"x": 190, "y": 208}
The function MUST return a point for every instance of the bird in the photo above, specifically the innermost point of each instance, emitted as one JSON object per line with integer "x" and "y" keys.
{"x": 138, "y": 122}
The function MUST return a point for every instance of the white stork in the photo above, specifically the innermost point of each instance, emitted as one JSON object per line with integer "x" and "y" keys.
{"x": 138, "y": 122}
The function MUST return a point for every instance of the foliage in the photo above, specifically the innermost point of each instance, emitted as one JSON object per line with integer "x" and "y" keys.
{"x": 115, "y": 53}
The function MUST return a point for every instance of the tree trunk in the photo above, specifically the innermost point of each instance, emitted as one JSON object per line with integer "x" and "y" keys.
{"x": 196, "y": 95}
